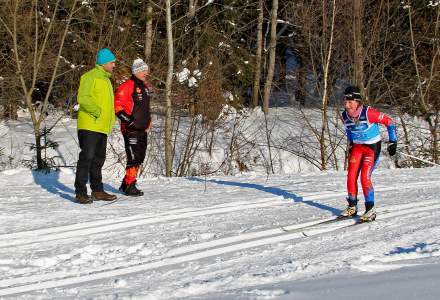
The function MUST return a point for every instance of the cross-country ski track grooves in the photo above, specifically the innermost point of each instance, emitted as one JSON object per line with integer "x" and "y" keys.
{"x": 191, "y": 252}
{"x": 102, "y": 226}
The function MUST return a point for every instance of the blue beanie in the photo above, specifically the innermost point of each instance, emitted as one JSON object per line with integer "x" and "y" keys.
{"x": 104, "y": 56}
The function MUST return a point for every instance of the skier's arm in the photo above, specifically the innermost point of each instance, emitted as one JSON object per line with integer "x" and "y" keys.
{"x": 375, "y": 116}
{"x": 85, "y": 98}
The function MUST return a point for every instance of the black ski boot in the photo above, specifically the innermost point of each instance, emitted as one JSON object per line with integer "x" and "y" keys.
{"x": 132, "y": 190}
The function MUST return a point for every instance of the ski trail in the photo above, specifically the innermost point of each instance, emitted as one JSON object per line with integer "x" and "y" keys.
{"x": 192, "y": 252}
{"x": 101, "y": 226}
{"x": 134, "y": 223}
{"x": 86, "y": 225}
{"x": 288, "y": 229}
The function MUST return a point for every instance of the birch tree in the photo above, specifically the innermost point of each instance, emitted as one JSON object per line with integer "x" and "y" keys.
{"x": 327, "y": 55}
{"x": 169, "y": 82}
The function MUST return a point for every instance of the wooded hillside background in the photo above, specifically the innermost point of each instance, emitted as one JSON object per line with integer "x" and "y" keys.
{"x": 299, "y": 53}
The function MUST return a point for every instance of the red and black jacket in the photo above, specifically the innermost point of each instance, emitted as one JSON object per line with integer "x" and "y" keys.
{"x": 132, "y": 105}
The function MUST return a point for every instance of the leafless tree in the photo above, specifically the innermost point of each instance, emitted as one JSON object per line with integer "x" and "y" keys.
{"x": 30, "y": 58}
{"x": 325, "y": 94}
{"x": 358, "y": 45}
{"x": 168, "y": 89}
{"x": 149, "y": 32}
{"x": 272, "y": 55}
{"x": 257, "y": 79}
{"x": 427, "y": 77}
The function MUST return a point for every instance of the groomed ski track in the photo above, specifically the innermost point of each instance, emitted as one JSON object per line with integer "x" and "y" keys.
{"x": 195, "y": 251}
{"x": 102, "y": 226}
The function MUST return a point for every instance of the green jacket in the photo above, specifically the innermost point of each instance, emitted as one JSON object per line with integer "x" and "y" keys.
{"x": 96, "y": 101}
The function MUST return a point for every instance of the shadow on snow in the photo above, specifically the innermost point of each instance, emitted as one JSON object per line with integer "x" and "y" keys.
{"x": 272, "y": 190}
{"x": 51, "y": 183}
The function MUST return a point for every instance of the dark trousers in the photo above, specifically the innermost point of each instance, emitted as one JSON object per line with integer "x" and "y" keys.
{"x": 135, "y": 147}
{"x": 91, "y": 159}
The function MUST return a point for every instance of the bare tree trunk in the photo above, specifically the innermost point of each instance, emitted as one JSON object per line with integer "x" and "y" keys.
{"x": 300, "y": 94}
{"x": 269, "y": 146}
{"x": 169, "y": 82}
{"x": 423, "y": 92}
{"x": 358, "y": 47}
{"x": 186, "y": 160}
{"x": 38, "y": 116}
{"x": 273, "y": 44}
{"x": 434, "y": 134}
{"x": 101, "y": 35}
{"x": 324, "y": 106}
{"x": 256, "y": 88}
{"x": 192, "y": 8}
{"x": 149, "y": 33}
{"x": 416, "y": 64}
{"x": 193, "y": 22}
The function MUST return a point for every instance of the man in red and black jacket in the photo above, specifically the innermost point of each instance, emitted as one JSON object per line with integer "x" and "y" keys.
{"x": 132, "y": 107}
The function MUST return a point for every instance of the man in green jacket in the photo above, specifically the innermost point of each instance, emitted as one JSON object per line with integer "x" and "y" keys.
{"x": 96, "y": 117}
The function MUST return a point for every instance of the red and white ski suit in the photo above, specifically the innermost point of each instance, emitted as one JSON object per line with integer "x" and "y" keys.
{"x": 364, "y": 137}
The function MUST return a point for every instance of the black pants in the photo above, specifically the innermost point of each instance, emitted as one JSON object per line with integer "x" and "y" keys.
{"x": 135, "y": 147}
{"x": 91, "y": 159}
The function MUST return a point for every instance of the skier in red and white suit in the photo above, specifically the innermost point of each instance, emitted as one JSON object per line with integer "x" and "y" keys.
{"x": 364, "y": 140}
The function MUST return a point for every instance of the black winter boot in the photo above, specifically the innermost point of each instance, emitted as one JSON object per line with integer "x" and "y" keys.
{"x": 123, "y": 186}
{"x": 132, "y": 190}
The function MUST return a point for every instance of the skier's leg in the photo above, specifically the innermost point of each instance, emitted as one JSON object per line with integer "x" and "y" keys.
{"x": 354, "y": 164}
{"x": 371, "y": 158}
{"x": 353, "y": 173}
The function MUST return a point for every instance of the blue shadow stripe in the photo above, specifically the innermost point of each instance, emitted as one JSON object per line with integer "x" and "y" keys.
{"x": 271, "y": 190}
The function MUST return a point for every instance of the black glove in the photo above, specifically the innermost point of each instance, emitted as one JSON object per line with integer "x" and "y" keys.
{"x": 129, "y": 120}
{"x": 392, "y": 148}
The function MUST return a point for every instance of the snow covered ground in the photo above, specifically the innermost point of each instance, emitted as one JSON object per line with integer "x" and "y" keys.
{"x": 245, "y": 237}
{"x": 230, "y": 237}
